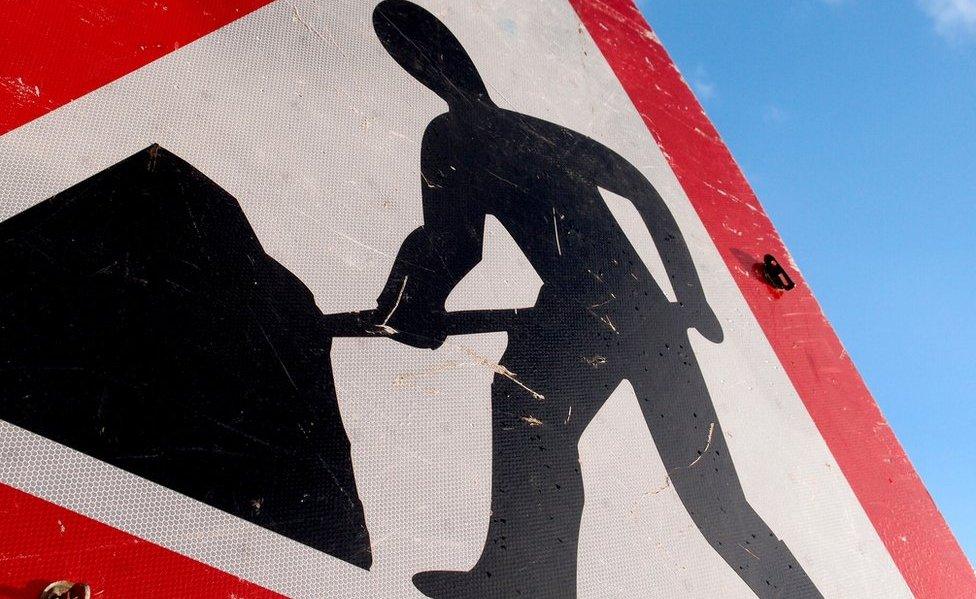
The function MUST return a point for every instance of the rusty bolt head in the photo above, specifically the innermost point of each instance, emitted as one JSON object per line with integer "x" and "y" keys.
{"x": 65, "y": 589}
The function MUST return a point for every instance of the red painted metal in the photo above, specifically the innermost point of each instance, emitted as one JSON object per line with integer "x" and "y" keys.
{"x": 42, "y": 543}
{"x": 54, "y": 52}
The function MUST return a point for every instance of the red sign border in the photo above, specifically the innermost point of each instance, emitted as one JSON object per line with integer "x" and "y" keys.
{"x": 80, "y": 49}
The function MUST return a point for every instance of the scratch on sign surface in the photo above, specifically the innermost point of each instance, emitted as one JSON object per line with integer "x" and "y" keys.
{"x": 667, "y": 479}
{"x": 505, "y": 372}
{"x": 555, "y": 228}
{"x": 606, "y": 320}
{"x": 299, "y": 19}
{"x": 708, "y": 443}
{"x": 385, "y": 327}
{"x": 749, "y": 552}
{"x": 595, "y": 361}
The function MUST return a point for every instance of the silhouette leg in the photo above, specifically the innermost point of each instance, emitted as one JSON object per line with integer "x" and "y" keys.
{"x": 537, "y": 487}
{"x": 685, "y": 427}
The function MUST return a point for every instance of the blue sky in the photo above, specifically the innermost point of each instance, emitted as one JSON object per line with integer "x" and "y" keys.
{"x": 855, "y": 123}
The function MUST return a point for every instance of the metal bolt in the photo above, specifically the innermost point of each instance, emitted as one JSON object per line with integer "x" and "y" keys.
{"x": 775, "y": 274}
{"x": 65, "y": 589}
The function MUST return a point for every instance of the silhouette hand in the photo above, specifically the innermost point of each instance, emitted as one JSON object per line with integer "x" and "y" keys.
{"x": 421, "y": 329}
{"x": 699, "y": 315}
{"x": 708, "y": 324}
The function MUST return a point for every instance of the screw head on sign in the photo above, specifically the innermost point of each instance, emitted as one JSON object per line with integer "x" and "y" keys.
{"x": 65, "y": 589}
{"x": 775, "y": 274}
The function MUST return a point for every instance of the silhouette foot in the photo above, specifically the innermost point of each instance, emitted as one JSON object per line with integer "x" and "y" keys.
{"x": 446, "y": 584}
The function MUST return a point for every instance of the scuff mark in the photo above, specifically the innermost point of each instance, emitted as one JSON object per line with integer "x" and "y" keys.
{"x": 503, "y": 179}
{"x": 427, "y": 181}
{"x": 532, "y": 420}
{"x": 297, "y": 17}
{"x": 605, "y": 319}
{"x": 277, "y": 356}
{"x": 603, "y": 303}
{"x": 153, "y": 156}
{"x": 383, "y": 326}
{"x": 343, "y": 235}
{"x": 410, "y": 380}
{"x": 730, "y": 196}
{"x": 595, "y": 361}
{"x": 708, "y": 443}
{"x": 335, "y": 481}
{"x": 505, "y": 372}
{"x": 555, "y": 228}
{"x": 667, "y": 483}
{"x": 667, "y": 478}
{"x": 749, "y": 552}
{"x": 21, "y": 90}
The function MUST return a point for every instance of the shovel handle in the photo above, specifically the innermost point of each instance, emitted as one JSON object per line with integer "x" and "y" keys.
{"x": 462, "y": 322}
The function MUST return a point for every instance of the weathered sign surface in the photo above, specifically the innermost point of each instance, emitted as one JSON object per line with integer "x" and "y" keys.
{"x": 355, "y": 299}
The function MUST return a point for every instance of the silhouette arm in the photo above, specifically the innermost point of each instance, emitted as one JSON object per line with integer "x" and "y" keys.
{"x": 431, "y": 262}
{"x": 619, "y": 176}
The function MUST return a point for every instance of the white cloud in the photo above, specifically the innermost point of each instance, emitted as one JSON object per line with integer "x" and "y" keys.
{"x": 702, "y": 84}
{"x": 954, "y": 19}
{"x": 774, "y": 115}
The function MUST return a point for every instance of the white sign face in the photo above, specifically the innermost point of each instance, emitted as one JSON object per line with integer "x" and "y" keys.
{"x": 543, "y": 316}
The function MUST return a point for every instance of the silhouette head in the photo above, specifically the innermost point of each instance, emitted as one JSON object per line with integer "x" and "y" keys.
{"x": 427, "y": 49}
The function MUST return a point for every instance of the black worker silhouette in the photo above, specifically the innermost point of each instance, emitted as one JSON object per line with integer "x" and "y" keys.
{"x": 142, "y": 323}
{"x": 598, "y": 301}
